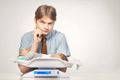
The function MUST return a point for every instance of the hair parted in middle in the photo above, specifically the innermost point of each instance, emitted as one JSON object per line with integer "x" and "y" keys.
{"x": 45, "y": 10}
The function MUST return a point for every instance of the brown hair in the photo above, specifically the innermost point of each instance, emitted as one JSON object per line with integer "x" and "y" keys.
{"x": 45, "y": 10}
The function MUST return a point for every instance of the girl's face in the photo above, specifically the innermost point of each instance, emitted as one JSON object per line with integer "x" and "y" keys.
{"x": 45, "y": 24}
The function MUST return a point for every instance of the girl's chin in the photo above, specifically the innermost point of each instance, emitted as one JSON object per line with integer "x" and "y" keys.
{"x": 45, "y": 33}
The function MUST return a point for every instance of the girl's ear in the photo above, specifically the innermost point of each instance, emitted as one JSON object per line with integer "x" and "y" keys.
{"x": 35, "y": 20}
{"x": 35, "y": 23}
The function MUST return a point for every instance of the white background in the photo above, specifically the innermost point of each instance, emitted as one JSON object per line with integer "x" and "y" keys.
{"x": 92, "y": 29}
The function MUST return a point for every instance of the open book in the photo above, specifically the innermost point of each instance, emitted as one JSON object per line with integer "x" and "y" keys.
{"x": 41, "y": 62}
